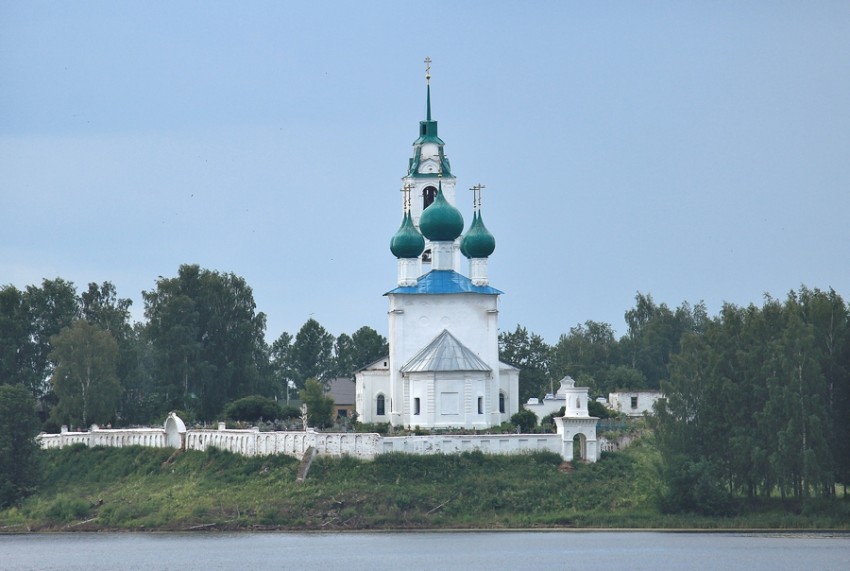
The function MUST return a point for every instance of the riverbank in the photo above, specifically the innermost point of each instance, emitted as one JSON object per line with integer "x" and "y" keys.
{"x": 148, "y": 489}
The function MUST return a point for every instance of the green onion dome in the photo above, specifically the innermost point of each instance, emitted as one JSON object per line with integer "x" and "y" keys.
{"x": 407, "y": 242}
{"x": 478, "y": 242}
{"x": 441, "y": 222}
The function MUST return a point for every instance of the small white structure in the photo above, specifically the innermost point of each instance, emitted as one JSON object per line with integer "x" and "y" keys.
{"x": 576, "y": 428}
{"x": 553, "y": 403}
{"x": 633, "y": 403}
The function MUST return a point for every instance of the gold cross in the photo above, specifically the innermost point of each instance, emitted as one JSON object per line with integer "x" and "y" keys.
{"x": 427, "y": 69}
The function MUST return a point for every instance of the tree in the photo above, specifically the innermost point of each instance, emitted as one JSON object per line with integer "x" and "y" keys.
{"x": 207, "y": 339}
{"x": 344, "y": 356}
{"x": 101, "y": 306}
{"x": 530, "y": 354}
{"x": 52, "y": 307}
{"x": 588, "y": 351}
{"x": 319, "y": 405}
{"x": 85, "y": 379}
{"x": 312, "y": 353}
{"x": 15, "y": 338}
{"x": 18, "y": 447}
{"x": 655, "y": 334}
{"x": 361, "y": 348}
{"x": 369, "y": 346}
{"x": 281, "y": 363}
{"x": 28, "y": 319}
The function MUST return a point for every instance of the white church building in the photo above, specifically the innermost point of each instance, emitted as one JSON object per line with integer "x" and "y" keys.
{"x": 443, "y": 369}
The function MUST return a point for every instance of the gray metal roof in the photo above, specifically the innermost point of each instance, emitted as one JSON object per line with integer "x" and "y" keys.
{"x": 341, "y": 389}
{"x": 445, "y": 353}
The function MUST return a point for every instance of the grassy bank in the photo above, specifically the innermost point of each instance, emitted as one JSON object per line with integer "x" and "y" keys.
{"x": 154, "y": 489}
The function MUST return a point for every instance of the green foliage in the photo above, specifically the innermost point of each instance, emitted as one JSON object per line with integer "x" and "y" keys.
{"x": 150, "y": 488}
{"x": 530, "y": 353}
{"x": 525, "y": 420}
{"x": 85, "y": 379}
{"x": 207, "y": 340}
{"x": 548, "y": 421}
{"x": 253, "y": 408}
{"x": 598, "y": 409}
{"x": 312, "y": 354}
{"x": 363, "y": 347}
{"x": 319, "y": 405}
{"x": 18, "y": 449}
{"x": 376, "y": 427}
{"x": 749, "y": 409}
{"x": 28, "y": 320}
{"x": 696, "y": 487}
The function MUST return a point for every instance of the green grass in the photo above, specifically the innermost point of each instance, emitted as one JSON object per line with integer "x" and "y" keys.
{"x": 145, "y": 489}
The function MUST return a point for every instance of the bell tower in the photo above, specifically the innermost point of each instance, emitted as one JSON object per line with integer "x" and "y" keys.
{"x": 429, "y": 170}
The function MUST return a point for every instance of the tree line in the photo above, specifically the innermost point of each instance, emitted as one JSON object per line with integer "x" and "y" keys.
{"x": 592, "y": 354}
{"x": 202, "y": 345}
{"x": 757, "y": 399}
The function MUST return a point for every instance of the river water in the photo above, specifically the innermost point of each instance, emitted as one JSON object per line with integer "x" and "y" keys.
{"x": 462, "y": 551}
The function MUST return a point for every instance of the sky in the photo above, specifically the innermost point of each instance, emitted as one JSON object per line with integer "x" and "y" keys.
{"x": 693, "y": 151}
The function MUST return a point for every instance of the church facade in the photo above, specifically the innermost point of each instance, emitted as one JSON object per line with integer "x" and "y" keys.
{"x": 443, "y": 368}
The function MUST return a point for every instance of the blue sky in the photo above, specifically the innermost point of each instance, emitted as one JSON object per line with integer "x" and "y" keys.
{"x": 692, "y": 151}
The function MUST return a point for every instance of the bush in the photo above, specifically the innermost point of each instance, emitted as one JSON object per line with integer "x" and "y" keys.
{"x": 525, "y": 420}
{"x": 548, "y": 421}
{"x": 252, "y": 409}
{"x": 695, "y": 486}
{"x": 289, "y": 412}
{"x": 379, "y": 427}
{"x": 598, "y": 409}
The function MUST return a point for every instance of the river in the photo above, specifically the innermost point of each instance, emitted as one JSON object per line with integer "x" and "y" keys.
{"x": 463, "y": 551}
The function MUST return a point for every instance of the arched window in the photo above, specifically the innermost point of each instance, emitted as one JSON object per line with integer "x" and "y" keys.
{"x": 380, "y": 407}
{"x": 429, "y": 193}
{"x": 480, "y": 405}
{"x": 501, "y": 402}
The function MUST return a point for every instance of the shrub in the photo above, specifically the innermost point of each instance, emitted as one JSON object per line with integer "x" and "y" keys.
{"x": 252, "y": 409}
{"x": 379, "y": 427}
{"x": 598, "y": 409}
{"x": 525, "y": 420}
{"x": 548, "y": 421}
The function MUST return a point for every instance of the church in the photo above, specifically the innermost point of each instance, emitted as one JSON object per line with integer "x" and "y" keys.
{"x": 443, "y": 369}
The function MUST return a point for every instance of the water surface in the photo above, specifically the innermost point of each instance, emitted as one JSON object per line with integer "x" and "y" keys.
{"x": 466, "y": 551}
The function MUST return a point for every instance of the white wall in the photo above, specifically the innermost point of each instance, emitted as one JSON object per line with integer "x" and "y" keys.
{"x": 622, "y": 402}
{"x": 366, "y": 446}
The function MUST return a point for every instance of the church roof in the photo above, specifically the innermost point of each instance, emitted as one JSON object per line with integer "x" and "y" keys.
{"x": 445, "y": 353}
{"x": 443, "y": 282}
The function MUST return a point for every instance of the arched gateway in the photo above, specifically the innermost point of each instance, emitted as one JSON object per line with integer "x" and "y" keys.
{"x": 175, "y": 431}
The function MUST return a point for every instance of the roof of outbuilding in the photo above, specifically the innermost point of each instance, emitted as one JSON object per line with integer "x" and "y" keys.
{"x": 445, "y": 353}
{"x": 341, "y": 390}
